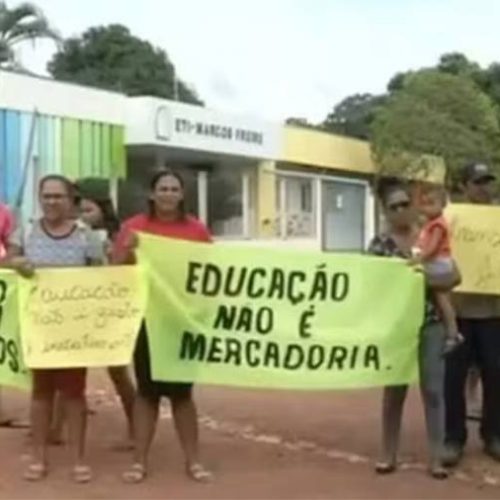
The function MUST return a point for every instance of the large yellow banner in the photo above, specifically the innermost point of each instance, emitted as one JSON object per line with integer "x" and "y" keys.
{"x": 476, "y": 246}
{"x": 263, "y": 317}
{"x": 83, "y": 317}
{"x": 12, "y": 369}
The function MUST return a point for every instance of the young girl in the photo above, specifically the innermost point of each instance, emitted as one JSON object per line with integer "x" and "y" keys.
{"x": 433, "y": 251}
{"x": 97, "y": 212}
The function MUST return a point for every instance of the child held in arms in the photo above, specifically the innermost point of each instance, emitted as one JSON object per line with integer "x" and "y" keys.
{"x": 433, "y": 252}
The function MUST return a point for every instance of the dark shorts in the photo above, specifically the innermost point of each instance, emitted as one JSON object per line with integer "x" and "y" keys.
{"x": 70, "y": 382}
{"x": 146, "y": 386}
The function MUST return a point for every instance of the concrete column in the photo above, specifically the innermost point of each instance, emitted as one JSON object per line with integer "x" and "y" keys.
{"x": 266, "y": 199}
{"x": 203, "y": 196}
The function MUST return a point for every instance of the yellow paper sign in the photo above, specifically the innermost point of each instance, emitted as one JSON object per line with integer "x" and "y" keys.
{"x": 476, "y": 246}
{"x": 82, "y": 317}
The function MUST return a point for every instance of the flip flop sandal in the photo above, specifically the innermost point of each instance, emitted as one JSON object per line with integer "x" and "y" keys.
{"x": 35, "y": 472}
{"x": 438, "y": 472}
{"x": 199, "y": 473}
{"x": 81, "y": 474}
{"x": 136, "y": 474}
{"x": 385, "y": 468}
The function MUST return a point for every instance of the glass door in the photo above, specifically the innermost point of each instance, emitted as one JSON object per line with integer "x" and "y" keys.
{"x": 344, "y": 210}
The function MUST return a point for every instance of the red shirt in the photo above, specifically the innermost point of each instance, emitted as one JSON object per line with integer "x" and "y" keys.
{"x": 6, "y": 227}
{"x": 190, "y": 229}
{"x": 444, "y": 247}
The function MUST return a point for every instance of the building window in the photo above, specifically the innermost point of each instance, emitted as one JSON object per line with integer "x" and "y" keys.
{"x": 228, "y": 201}
{"x": 344, "y": 216}
{"x": 190, "y": 178}
{"x": 296, "y": 202}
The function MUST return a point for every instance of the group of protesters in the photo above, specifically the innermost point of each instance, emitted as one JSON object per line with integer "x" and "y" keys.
{"x": 79, "y": 227}
{"x": 471, "y": 320}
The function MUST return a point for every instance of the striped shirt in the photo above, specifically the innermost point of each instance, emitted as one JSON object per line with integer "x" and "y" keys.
{"x": 79, "y": 247}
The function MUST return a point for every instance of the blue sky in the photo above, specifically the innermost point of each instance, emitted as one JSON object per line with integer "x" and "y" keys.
{"x": 278, "y": 58}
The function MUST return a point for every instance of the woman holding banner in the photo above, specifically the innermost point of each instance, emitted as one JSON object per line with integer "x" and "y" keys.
{"x": 166, "y": 217}
{"x": 56, "y": 240}
{"x": 398, "y": 241}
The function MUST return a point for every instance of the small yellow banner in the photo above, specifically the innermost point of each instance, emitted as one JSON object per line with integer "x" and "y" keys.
{"x": 476, "y": 246}
{"x": 82, "y": 317}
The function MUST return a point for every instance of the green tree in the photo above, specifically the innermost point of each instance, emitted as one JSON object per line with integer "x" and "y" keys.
{"x": 453, "y": 63}
{"x": 20, "y": 24}
{"x": 110, "y": 57}
{"x": 456, "y": 63}
{"x": 353, "y": 116}
{"x": 490, "y": 82}
{"x": 436, "y": 113}
{"x": 397, "y": 81}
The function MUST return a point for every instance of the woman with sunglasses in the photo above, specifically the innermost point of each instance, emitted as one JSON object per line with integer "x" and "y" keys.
{"x": 397, "y": 241}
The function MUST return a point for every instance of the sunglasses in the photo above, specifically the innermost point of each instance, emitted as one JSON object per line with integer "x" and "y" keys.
{"x": 402, "y": 205}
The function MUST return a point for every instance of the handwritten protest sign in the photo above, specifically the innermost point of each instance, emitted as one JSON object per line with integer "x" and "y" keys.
{"x": 246, "y": 316}
{"x": 476, "y": 246}
{"x": 81, "y": 317}
{"x": 12, "y": 370}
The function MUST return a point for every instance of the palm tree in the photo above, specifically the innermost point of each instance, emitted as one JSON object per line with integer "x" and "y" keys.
{"x": 19, "y": 24}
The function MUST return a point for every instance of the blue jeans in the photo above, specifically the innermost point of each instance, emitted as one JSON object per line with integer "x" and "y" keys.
{"x": 432, "y": 374}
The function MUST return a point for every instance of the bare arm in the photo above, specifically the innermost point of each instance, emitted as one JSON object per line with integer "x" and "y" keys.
{"x": 17, "y": 262}
{"x": 124, "y": 253}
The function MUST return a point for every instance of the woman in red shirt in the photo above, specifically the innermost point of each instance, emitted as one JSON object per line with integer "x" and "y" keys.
{"x": 166, "y": 217}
